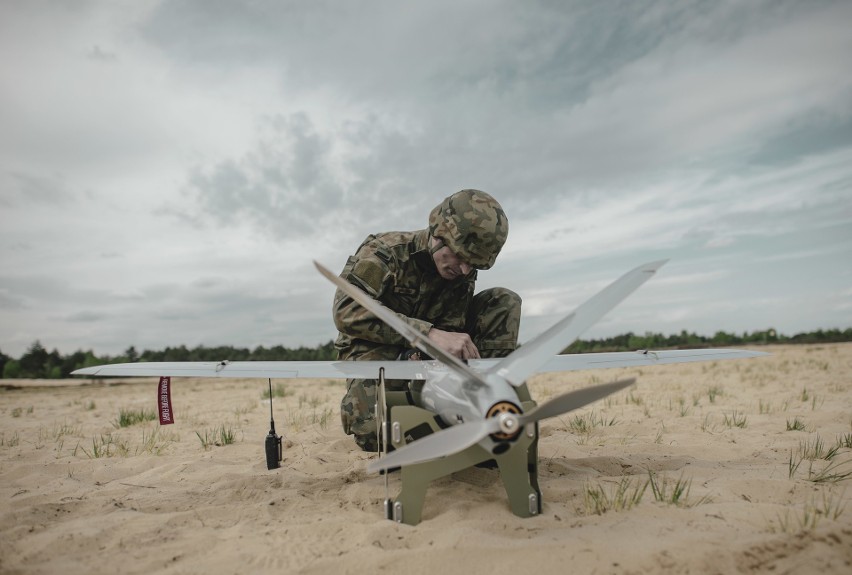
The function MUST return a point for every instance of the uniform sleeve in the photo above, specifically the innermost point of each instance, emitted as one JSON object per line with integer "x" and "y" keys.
{"x": 372, "y": 269}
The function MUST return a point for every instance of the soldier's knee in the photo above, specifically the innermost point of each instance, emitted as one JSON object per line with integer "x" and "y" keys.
{"x": 494, "y": 321}
{"x": 498, "y": 298}
{"x": 356, "y": 407}
{"x": 505, "y": 296}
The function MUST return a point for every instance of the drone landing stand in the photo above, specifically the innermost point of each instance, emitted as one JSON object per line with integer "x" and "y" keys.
{"x": 518, "y": 466}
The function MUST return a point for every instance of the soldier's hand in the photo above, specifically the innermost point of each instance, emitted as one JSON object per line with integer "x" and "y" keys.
{"x": 458, "y": 344}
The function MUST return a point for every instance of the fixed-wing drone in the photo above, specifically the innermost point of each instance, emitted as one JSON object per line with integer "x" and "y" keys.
{"x": 458, "y": 414}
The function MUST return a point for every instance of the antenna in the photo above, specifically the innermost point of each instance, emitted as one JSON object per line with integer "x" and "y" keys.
{"x": 274, "y": 449}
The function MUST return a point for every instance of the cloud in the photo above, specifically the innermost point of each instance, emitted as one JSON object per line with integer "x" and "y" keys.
{"x": 285, "y": 184}
{"x": 86, "y": 317}
{"x": 24, "y": 188}
{"x": 99, "y": 55}
{"x": 176, "y": 165}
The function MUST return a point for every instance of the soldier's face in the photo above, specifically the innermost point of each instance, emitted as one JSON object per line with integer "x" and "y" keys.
{"x": 450, "y": 266}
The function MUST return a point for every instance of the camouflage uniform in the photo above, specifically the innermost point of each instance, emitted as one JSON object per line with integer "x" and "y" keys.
{"x": 397, "y": 269}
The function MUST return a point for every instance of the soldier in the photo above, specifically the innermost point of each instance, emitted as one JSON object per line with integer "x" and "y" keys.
{"x": 427, "y": 277}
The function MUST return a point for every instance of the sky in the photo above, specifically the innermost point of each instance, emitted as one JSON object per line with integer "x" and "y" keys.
{"x": 170, "y": 169}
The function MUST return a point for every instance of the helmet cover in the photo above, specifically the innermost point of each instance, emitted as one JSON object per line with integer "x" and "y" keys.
{"x": 473, "y": 225}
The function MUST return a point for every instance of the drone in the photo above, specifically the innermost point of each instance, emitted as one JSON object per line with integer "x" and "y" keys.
{"x": 456, "y": 414}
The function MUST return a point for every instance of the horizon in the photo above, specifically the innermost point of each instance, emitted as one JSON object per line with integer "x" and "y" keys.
{"x": 745, "y": 334}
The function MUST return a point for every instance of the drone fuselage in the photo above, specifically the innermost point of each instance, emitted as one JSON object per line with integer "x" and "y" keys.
{"x": 457, "y": 400}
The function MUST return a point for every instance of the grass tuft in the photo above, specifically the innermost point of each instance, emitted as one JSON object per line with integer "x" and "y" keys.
{"x": 736, "y": 419}
{"x": 12, "y": 441}
{"x": 297, "y": 419}
{"x": 105, "y": 446}
{"x": 673, "y": 493}
{"x": 128, "y": 417}
{"x": 713, "y": 393}
{"x": 217, "y": 436}
{"x": 811, "y": 514}
{"x": 793, "y": 464}
{"x": 584, "y": 424}
{"x": 157, "y": 441}
{"x": 795, "y": 425}
{"x": 831, "y": 473}
{"x": 622, "y": 497}
{"x": 278, "y": 391}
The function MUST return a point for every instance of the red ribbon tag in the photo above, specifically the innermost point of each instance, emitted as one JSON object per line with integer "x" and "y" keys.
{"x": 164, "y": 400}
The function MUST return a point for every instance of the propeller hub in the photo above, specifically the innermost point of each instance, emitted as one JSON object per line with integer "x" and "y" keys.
{"x": 508, "y": 423}
{"x": 507, "y": 415}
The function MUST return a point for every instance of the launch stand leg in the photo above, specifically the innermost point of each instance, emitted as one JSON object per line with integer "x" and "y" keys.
{"x": 518, "y": 466}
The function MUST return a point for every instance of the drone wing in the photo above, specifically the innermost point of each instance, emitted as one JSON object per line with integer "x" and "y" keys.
{"x": 398, "y": 369}
{"x": 267, "y": 369}
{"x": 525, "y": 361}
{"x": 580, "y": 361}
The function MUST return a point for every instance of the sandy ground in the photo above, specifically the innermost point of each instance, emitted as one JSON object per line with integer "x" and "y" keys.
{"x": 82, "y": 495}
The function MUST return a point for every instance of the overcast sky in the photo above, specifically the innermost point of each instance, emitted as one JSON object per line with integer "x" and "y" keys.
{"x": 169, "y": 169}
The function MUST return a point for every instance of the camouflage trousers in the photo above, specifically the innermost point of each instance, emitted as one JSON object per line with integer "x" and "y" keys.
{"x": 493, "y": 320}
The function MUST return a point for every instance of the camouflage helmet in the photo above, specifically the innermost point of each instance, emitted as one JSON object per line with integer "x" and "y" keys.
{"x": 473, "y": 225}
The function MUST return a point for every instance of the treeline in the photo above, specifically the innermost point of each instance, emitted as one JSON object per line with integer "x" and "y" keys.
{"x": 38, "y": 363}
{"x": 631, "y": 341}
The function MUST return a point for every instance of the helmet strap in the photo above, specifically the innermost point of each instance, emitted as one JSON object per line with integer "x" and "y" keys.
{"x": 439, "y": 243}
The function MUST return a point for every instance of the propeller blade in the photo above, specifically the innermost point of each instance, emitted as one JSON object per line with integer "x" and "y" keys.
{"x": 524, "y": 361}
{"x": 573, "y": 400}
{"x": 414, "y": 337}
{"x": 439, "y": 444}
{"x": 459, "y": 437}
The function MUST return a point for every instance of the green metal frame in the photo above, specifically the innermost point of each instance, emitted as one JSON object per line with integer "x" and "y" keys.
{"x": 518, "y": 466}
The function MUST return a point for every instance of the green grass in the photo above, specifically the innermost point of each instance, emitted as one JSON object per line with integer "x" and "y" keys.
{"x": 795, "y": 425}
{"x": 12, "y": 441}
{"x": 64, "y": 429}
{"x": 313, "y": 401}
{"x": 810, "y": 516}
{"x": 278, "y": 391}
{"x": 815, "y": 450}
{"x": 714, "y": 392}
{"x": 297, "y": 419}
{"x": 736, "y": 419}
{"x": 673, "y": 493}
{"x": 217, "y": 436}
{"x": 793, "y": 464}
{"x": 622, "y": 497}
{"x": 105, "y": 446}
{"x": 156, "y": 441}
{"x": 584, "y": 424}
{"x": 128, "y": 417}
{"x": 707, "y": 426}
{"x": 831, "y": 473}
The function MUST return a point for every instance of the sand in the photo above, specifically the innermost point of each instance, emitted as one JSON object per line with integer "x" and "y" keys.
{"x": 82, "y": 495}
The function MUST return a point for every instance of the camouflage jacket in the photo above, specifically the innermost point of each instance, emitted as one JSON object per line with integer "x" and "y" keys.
{"x": 397, "y": 269}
